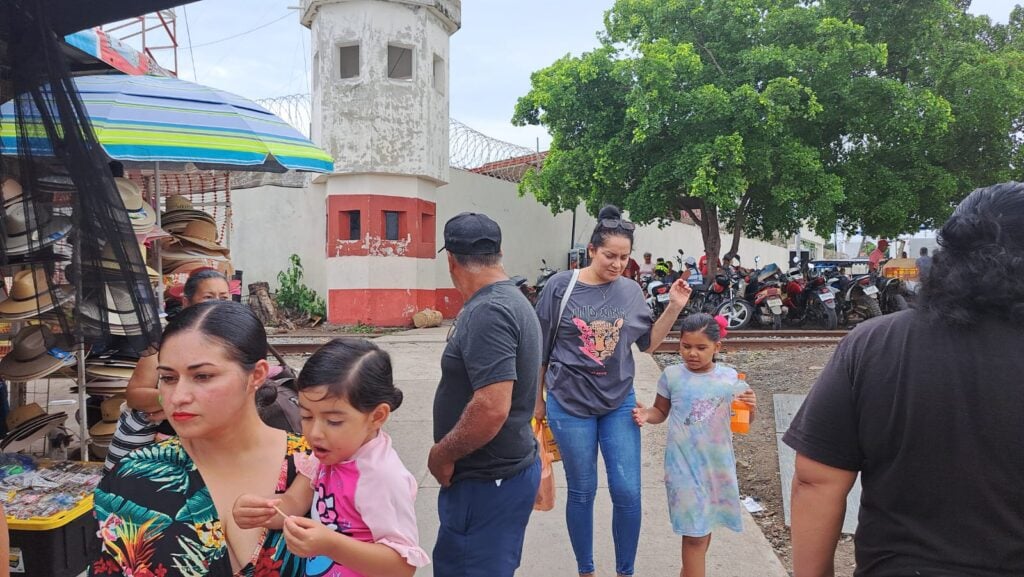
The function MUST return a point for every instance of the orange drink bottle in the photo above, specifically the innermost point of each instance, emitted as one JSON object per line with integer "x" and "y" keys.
{"x": 740, "y": 421}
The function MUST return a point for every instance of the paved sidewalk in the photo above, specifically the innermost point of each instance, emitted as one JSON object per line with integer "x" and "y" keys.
{"x": 416, "y": 355}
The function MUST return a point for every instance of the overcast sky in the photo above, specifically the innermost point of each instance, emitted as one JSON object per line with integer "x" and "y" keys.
{"x": 501, "y": 42}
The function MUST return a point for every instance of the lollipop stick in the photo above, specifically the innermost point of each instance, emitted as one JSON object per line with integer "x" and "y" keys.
{"x": 276, "y": 508}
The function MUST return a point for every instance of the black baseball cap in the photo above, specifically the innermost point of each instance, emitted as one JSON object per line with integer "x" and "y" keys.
{"x": 472, "y": 233}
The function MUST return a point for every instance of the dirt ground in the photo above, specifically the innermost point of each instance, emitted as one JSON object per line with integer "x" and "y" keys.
{"x": 790, "y": 371}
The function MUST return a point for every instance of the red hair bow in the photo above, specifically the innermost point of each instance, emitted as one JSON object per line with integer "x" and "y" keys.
{"x": 723, "y": 324}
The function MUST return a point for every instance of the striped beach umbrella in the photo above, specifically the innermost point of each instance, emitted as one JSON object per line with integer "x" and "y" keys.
{"x": 147, "y": 119}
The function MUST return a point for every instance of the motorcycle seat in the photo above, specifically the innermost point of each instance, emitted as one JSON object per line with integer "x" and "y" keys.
{"x": 699, "y": 287}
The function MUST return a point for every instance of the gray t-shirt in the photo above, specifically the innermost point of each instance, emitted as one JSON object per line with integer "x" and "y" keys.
{"x": 495, "y": 338}
{"x": 591, "y": 367}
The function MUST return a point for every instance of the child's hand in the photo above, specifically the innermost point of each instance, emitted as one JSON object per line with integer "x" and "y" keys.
{"x": 748, "y": 397}
{"x": 306, "y": 537}
{"x": 639, "y": 414}
{"x": 251, "y": 511}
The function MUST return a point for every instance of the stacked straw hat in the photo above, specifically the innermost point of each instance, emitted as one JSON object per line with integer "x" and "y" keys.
{"x": 140, "y": 214}
{"x": 103, "y": 432}
{"x": 193, "y": 241}
{"x": 27, "y": 424}
{"x": 30, "y": 295}
{"x": 36, "y": 353}
{"x": 26, "y": 229}
{"x": 116, "y": 307}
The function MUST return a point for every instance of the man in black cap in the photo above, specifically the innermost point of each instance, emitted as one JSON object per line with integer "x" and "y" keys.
{"x": 485, "y": 456}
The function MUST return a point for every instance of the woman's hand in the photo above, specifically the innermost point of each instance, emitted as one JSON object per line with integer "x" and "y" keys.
{"x": 306, "y": 537}
{"x": 540, "y": 411}
{"x": 251, "y": 511}
{"x": 680, "y": 293}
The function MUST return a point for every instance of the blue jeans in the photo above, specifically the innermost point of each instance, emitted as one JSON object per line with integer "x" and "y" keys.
{"x": 619, "y": 438}
{"x": 483, "y": 524}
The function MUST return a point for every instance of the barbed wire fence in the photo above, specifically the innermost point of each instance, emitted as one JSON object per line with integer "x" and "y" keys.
{"x": 468, "y": 149}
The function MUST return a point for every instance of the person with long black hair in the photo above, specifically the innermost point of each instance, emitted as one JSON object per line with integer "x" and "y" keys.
{"x": 590, "y": 319}
{"x": 166, "y": 508}
{"x": 926, "y": 405}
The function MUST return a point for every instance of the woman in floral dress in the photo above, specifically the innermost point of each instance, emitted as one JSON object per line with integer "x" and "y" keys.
{"x": 166, "y": 509}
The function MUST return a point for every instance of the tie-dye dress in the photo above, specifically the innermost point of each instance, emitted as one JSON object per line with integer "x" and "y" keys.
{"x": 700, "y": 468}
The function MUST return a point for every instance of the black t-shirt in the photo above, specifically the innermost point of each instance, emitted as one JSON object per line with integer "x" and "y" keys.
{"x": 496, "y": 338}
{"x": 933, "y": 418}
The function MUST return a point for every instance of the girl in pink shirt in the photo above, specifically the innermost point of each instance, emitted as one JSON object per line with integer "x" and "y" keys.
{"x": 364, "y": 520}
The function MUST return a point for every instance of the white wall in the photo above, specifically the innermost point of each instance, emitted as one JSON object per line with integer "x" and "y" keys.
{"x": 530, "y": 232}
{"x": 272, "y": 223}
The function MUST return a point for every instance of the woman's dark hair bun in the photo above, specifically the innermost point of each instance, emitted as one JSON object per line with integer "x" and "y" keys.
{"x": 396, "y": 399}
{"x": 266, "y": 395}
{"x": 609, "y": 211}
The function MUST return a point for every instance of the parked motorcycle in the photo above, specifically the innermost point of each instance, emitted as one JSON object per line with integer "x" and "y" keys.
{"x": 810, "y": 300}
{"x": 724, "y": 296}
{"x": 545, "y": 275}
{"x": 891, "y": 293}
{"x": 855, "y": 296}
{"x": 767, "y": 297}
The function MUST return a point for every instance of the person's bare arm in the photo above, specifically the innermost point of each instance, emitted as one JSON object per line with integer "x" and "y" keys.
{"x": 142, "y": 393}
{"x": 654, "y": 414}
{"x": 480, "y": 422}
{"x": 679, "y": 295}
{"x": 819, "y": 505}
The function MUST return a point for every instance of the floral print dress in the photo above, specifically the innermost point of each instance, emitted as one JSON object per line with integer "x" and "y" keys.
{"x": 157, "y": 518}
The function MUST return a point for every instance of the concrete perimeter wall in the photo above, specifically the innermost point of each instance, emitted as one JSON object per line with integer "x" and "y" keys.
{"x": 271, "y": 223}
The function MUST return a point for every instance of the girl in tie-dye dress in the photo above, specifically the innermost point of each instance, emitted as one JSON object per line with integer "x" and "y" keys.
{"x": 700, "y": 468}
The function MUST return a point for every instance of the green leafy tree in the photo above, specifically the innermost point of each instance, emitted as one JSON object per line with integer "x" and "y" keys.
{"x": 761, "y": 115}
{"x": 294, "y": 295}
{"x": 699, "y": 107}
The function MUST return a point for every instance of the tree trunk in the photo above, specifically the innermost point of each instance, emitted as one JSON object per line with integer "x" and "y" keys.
{"x": 710, "y": 231}
{"x": 261, "y": 303}
{"x": 737, "y": 228}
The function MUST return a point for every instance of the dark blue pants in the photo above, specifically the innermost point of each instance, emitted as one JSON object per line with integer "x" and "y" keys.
{"x": 483, "y": 525}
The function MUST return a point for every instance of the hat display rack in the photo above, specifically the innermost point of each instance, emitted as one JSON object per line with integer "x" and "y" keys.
{"x": 68, "y": 233}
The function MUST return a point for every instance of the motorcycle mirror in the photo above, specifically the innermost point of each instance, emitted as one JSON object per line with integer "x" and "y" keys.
{"x": 757, "y": 260}
{"x": 543, "y": 262}
{"x": 681, "y": 251}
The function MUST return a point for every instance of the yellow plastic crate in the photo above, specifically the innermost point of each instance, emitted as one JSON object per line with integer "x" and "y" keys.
{"x": 54, "y": 521}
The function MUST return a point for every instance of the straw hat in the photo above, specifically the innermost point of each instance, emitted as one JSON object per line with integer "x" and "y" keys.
{"x": 30, "y": 293}
{"x": 177, "y": 202}
{"x": 140, "y": 214}
{"x": 110, "y": 410}
{"x": 35, "y": 353}
{"x": 12, "y": 191}
{"x": 201, "y": 233}
{"x": 27, "y": 424}
{"x": 109, "y": 372}
{"x": 117, "y": 319}
{"x": 22, "y": 234}
{"x": 23, "y": 414}
{"x": 109, "y": 261}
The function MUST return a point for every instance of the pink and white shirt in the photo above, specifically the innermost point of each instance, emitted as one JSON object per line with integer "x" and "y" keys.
{"x": 371, "y": 497}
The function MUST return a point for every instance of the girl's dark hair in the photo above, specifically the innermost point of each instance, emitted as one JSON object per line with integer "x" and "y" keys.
{"x": 232, "y": 324}
{"x": 602, "y": 232}
{"x": 976, "y": 273}
{"x": 701, "y": 323}
{"x": 196, "y": 278}
{"x": 355, "y": 370}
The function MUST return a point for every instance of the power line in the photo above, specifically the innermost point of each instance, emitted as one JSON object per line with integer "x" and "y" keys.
{"x": 232, "y": 37}
{"x": 191, "y": 54}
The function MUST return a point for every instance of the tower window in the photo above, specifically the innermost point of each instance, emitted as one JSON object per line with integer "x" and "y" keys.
{"x": 348, "y": 56}
{"x": 391, "y": 218}
{"x": 355, "y": 230}
{"x": 439, "y": 77}
{"x": 399, "y": 62}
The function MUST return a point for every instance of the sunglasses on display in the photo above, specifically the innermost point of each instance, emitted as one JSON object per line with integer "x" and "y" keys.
{"x": 617, "y": 223}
